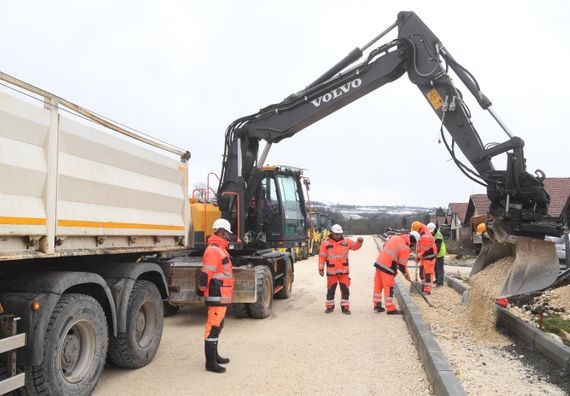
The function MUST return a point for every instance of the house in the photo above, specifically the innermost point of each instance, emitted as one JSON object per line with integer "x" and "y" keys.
{"x": 456, "y": 213}
{"x": 559, "y": 190}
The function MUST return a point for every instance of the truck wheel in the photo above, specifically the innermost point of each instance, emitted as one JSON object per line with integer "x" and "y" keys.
{"x": 170, "y": 309}
{"x": 241, "y": 311}
{"x": 304, "y": 252}
{"x": 261, "y": 309}
{"x": 75, "y": 349}
{"x": 145, "y": 317}
{"x": 287, "y": 281}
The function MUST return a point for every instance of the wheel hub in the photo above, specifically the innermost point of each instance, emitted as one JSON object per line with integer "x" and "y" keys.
{"x": 71, "y": 351}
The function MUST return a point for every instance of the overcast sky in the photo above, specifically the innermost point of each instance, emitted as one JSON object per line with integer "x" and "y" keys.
{"x": 183, "y": 70}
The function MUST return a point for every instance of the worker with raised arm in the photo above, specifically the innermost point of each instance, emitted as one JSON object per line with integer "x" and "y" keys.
{"x": 334, "y": 254}
{"x": 393, "y": 257}
{"x": 216, "y": 283}
{"x": 441, "y": 252}
{"x": 426, "y": 253}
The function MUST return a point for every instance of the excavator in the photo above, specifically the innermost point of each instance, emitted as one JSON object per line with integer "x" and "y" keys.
{"x": 519, "y": 202}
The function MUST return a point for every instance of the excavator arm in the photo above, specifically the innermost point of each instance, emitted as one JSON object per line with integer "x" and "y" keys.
{"x": 519, "y": 201}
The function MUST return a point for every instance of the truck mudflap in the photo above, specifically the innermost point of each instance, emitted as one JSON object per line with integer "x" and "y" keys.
{"x": 183, "y": 284}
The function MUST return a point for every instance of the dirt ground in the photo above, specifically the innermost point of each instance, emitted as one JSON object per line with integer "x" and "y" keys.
{"x": 298, "y": 350}
{"x": 485, "y": 369}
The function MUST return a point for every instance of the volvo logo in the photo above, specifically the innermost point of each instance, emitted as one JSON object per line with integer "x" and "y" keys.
{"x": 335, "y": 93}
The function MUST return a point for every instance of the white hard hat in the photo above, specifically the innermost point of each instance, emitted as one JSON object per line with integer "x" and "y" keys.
{"x": 416, "y": 236}
{"x": 337, "y": 229}
{"x": 222, "y": 223}
{"x": 431, "y": 227}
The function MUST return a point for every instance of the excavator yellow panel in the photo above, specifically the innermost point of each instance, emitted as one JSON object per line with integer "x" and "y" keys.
{"x": 203, "y": 216}
{"x": 435, "y": 99}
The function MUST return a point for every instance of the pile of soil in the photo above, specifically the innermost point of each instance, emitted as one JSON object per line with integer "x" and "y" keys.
{"x": 481, "y": 311}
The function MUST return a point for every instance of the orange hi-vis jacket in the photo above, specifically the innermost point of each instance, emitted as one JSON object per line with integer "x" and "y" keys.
{"x": 335, "y": 255}
{"x": 394, "y": 255}
{"x": 216, "y": 279}
{"x": 426, "y": 248}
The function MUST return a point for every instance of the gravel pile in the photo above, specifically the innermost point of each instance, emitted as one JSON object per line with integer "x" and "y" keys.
{"x": 481, "y": 311}
{"x": 484, "y": 367}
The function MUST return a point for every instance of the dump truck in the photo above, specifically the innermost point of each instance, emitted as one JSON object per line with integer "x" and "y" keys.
{"x": 96, "y": 234}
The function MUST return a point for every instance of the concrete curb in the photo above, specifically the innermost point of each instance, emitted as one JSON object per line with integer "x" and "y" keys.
{"x": 554, "y": 351}
{"x": 440, "y": 374}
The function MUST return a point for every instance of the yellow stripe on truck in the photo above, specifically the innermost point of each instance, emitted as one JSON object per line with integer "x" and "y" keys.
{"x": 23, "y": 220}
{"x": 101, "y": 224}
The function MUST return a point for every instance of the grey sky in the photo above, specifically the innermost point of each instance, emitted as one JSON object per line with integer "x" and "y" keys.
{"x": 183, "y": 70}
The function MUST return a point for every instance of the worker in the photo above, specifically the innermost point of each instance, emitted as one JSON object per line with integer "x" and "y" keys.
{"x": 216, "y": 284}
{"x": 426, "y": 255}
{"x": 441, "y": 251}
{"x": 485, "y": 238}
{"x": 393, "y": 257}
{"x": 334, "y": 253}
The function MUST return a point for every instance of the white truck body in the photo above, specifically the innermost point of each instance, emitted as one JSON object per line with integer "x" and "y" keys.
{"x": 67, "y": 188}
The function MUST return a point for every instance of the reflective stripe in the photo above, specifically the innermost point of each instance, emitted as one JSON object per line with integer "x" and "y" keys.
{"x": 377, "y": 294}
{"x": 222, "y": 276}
{"x": 388, "y": 269}
{"x": 210, "y": 267}
{"x": 377, "y": 299}
{"x": 330, "y": 301}
{"x": 212, "y": 339}
{"x": 338, "y": 256}
{"x": 323, "y": 254}
{"x": 209, "y": 298}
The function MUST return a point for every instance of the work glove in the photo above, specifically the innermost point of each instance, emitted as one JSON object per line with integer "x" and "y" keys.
{"x": 322, "y": 272}
{"x": 200, "y": 293}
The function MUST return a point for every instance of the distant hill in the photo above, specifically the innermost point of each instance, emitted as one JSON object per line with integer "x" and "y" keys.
{"x": 370, "y": 211}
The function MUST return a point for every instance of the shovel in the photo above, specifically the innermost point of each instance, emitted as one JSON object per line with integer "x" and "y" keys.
{"x": 418, "y": 291}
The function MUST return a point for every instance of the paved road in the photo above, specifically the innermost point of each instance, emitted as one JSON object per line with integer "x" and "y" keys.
{"x": 298, "y": 350}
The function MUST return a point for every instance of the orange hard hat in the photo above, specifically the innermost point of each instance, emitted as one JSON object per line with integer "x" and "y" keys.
{"x": 416, "y": 225}
{"x": 481, "y": 228}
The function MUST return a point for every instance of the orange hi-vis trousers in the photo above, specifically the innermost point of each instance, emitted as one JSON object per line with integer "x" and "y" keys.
{"x": 215, "y": 323}
{"x": 384, "y": 282}
{"x": 428, "y": 274}
{"x": 344, "y": 281}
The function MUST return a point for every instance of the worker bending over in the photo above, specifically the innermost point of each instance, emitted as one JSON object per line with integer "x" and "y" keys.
{"x": 334, "y": 253}
{"x": 426, "y": 253}
{"x": 216, "y": 283}
{"x": 393, "y": 256}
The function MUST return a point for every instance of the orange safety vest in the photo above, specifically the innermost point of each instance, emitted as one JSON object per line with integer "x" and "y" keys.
{"x": 394, "y": 255}
{"x": 335, "y": 255}
{"x": 426, "y": 246}
{"x": 216, "y": 279}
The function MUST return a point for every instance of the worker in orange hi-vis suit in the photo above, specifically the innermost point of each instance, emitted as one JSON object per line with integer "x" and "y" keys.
{"x": 216, "y": 284}
{"x": 393, "y": 257}
{"x": 334, "y": 253}
{"x": 426, "y": 251}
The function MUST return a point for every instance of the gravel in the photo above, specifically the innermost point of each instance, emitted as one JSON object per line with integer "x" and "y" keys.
{"x": 493, "y": 365}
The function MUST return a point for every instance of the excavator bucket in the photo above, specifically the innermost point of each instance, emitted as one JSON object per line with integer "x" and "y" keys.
{"x": 535, "y": 266}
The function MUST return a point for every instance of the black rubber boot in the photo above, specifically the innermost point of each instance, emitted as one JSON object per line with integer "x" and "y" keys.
{"x": 210, "y": 348}
{"x": 394, "y": 312}
{"x": 329, "y": 310}
{"x": 219, "y": 359}
{"x": 379, "y": 308}
{"x": 345, "y": 311}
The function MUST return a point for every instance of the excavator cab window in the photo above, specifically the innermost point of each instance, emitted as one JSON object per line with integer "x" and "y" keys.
{"x": 293, "y": 215}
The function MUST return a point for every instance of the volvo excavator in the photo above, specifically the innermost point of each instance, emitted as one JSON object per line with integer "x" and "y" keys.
{"x": 519, "y": 202}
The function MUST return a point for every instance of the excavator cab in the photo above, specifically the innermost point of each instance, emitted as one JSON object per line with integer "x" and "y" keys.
{"x": 276, "y": 215}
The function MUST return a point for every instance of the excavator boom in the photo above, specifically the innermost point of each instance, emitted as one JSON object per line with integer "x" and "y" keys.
{"x": 518, "y": 198}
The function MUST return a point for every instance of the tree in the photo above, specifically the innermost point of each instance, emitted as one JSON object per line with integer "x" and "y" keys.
{"x": 440, "y": 211}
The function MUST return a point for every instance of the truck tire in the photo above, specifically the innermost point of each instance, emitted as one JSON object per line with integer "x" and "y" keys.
{"x": 170, "y": 309}
{"x": 75, "y": 351}
{"x": 145, "y": 318}
{"x": 287, "y": 281}
{"x": 240, "y": 311}
{"x": 261, "y": 309}
{"x": 304, "y": 252}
